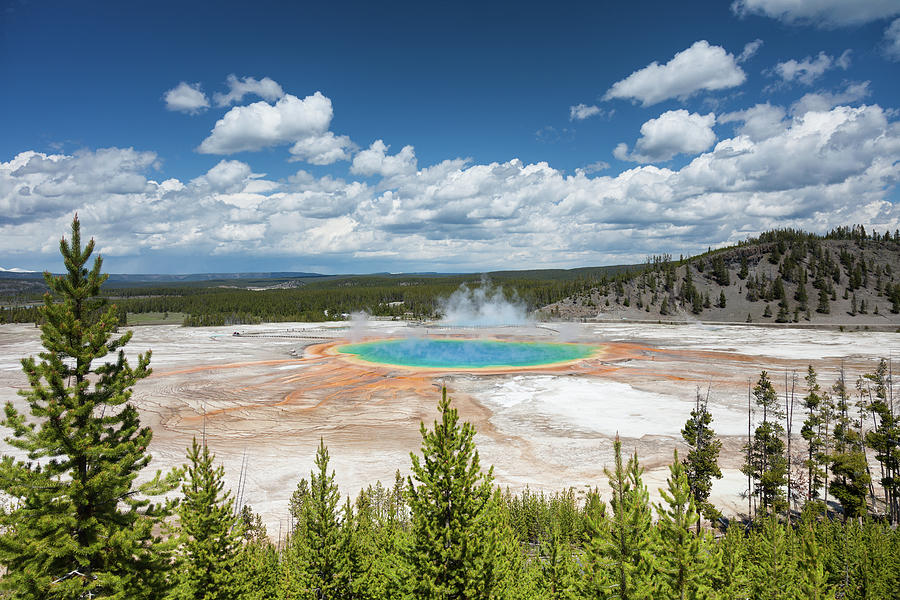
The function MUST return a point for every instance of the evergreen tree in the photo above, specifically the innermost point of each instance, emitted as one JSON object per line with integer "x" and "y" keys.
{"x": 701, "y": 463}
{"x": 766, "y": 463}
{"x": 883, "y": 439}
{"x": 257, "y": 560}
{"x": 450, "y": 555}
{"x": 209, "y": 533}
{"x": 850, "y": 477}
{"x": 732, "y": 578}
{"x": 685, "y": 563}
{"x": 320, "y": 546}
{"x": 559, "y": 570}
{"x": 772, "y": 570}
{"x": 813, "y": 581}
{"x": 77, "y": 527}
{"x": 623, "y": 548}
{"x": 812, "y": 433}
{"x": 823, "y": 306}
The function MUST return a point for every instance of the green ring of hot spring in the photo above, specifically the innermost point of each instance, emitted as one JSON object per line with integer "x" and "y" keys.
{"x": 465, "y": 354}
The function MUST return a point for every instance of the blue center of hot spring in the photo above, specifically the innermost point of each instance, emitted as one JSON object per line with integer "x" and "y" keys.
{"x": 465, "y": 354}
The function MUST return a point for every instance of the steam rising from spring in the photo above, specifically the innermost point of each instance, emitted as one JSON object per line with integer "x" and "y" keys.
{"x": 358, "y": 325}
{"x": 484, "y": 306}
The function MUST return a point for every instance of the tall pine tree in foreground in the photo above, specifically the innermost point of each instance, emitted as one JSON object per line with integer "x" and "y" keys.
{"x": 450, "y": 500}
{"x": 210, "y": 537}
{"x": 324, "y": 549}
{"x": 685, "y": 561}
{"x": 619, "y": 559}
{"x": 78, "y": 527}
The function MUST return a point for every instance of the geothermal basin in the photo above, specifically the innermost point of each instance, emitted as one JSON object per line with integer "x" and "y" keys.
{"x": 264, "y": 398}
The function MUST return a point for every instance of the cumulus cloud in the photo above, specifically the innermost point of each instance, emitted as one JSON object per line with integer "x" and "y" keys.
{"x": 258, "y": 125}
{"x": 673, "y": 132}
{"x": 698, "y": 68}
{"x": 581, "y": 112}
{"x": 187, "y": 98}
{"x": 376, "y": 161}
{"x": 759, "y": 122}
{"x": 822, "y": 13}
{"x": 811, "y": 171}
{"x": 324, "y": 149}
{"x": 226, "y": 176}
{"x": 265, "y": 88}
{"x": 892, "y": 40}
{"x": 824, "y": 100}
{"x": 809, "y": 69}
{"x": 750, "y": 49}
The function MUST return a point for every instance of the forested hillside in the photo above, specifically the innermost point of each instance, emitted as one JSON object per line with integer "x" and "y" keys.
{"x": 783, "y": 276}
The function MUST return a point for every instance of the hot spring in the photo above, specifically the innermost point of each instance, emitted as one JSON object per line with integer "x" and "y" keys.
{"x": 465, "y": 354}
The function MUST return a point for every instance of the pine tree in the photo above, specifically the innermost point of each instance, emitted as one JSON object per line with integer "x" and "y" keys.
{"x": 732, "y": 578}
{"x": 319, "y": 545}
{"x": 767, "y": 464}
{"x": 623, "y": 547}
{"x": 813, "y": 581}
{"x": 450, "y": 503}
{"x": 209, "y": 533}
{"x": 559, "y": 570}
{"x": 257, "y": 560}
{"x": 77, "y": 526}
{"x": 883, "y": 439}
{"x": 850, "y": 477}
{"x": 685, "y": 563}
{"x": 772, "y": 566}
{"x": 812, "y": 433}
{"x": 701, "y": 463}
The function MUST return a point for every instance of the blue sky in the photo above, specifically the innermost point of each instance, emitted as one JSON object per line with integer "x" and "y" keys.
{"x": 353, "y": 137}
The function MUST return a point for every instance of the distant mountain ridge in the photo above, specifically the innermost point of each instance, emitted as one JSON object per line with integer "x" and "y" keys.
{"x": 167, "y": 277}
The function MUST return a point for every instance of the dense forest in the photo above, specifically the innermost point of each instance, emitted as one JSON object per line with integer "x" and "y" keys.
{"x": 314, "y": 300}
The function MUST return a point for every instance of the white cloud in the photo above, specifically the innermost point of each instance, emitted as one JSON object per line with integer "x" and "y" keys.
{"x": 581, "y": 112}
{"x": 700, "y": 67}
{"x": 265, "y": 88}
{"x": 823, "y": 100}
{"x": 376, "y": 161}
{"x": 323, "y": 149}
{"x": 673, "y": 132}
{"x": 809, "y": 69}
{"x": 227, "y": 176}
{"x": 596, "y": 167}
{"x": 759, "y": 122}
{"x": 892, "y": 40}
{"x": 812, "y": 171}
{"x": 750, "y": 49}
{"x": 186, "y": 97}
{"x": 260, "y": 124}
{"x": 823, "y": 13}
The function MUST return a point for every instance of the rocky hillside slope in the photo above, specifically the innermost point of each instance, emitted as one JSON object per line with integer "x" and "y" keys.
{"x": 848, "y": 277}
